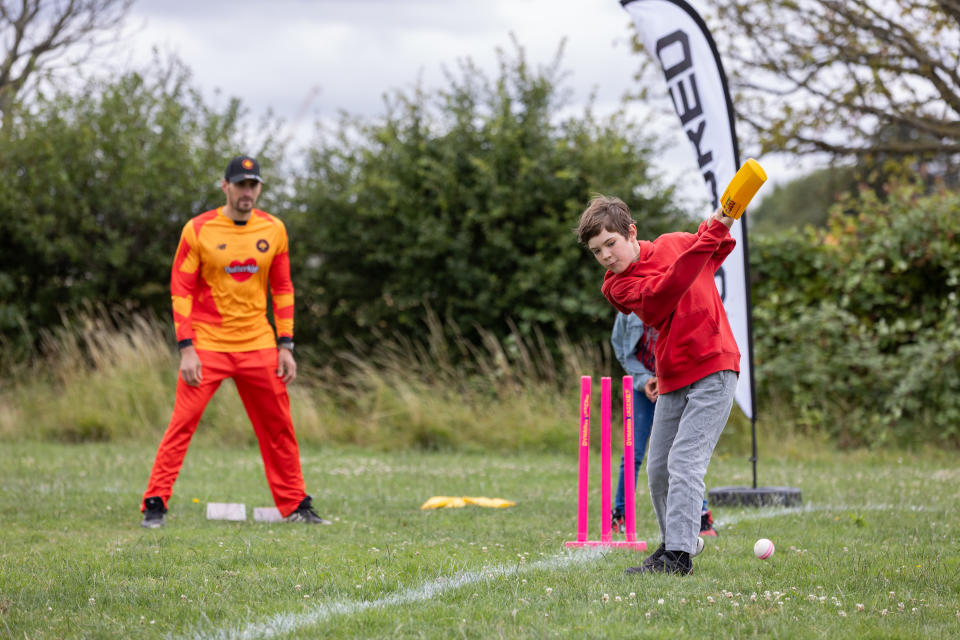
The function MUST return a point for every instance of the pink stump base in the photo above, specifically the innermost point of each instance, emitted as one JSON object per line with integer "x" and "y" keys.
{"x": 639, "y": 545}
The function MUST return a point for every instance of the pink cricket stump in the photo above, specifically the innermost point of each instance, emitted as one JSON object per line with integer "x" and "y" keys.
{"x": 584, "y": 479}
{"x": 629, "y": 480}
{"x": 605, "y": 533}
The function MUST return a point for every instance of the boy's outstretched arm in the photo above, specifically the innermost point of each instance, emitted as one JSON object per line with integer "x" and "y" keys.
{"x": 655, "y": 297}
{"x": 726, "y": 245}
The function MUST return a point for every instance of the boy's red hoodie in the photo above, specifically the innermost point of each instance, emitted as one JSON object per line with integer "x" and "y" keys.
{"x": 671, "y": 287}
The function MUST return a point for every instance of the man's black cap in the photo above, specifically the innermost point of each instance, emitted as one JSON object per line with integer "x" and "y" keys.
{"x": 243, "y": 168}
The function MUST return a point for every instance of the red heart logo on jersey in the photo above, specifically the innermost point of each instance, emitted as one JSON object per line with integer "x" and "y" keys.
{"x": 242, "y": 271}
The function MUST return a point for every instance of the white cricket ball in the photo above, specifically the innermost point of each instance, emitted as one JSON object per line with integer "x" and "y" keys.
{"x": 763, "y": 548}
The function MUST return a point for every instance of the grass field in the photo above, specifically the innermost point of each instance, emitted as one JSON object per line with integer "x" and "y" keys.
{"x": 873, "y": 552}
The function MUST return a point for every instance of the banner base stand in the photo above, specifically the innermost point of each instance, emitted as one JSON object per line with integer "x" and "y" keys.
{"x": 754, "y": 497}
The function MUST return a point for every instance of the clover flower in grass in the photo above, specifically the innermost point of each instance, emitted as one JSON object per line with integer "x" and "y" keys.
{"x": 860, "y": 607}
{"x": 710, "y": 599}
{"x": 549, "y": 590}
{"x": 619, "y": 599}
{"x": 606, "y": 597}
{"x": 634, "y": 595}
{"x": 660, "y": 601}
{"x": 843, "y": 614}
{"x": 883, "y": 613}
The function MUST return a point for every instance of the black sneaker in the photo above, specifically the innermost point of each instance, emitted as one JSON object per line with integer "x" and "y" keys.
{"x": 153, "y": 513}
{"x": 676, "y": 562}
{"x": 305, "y": 513}
{"x": 649, "y": 561}
{"x": 618, "y": 524}
{"x": 706, "y": 524}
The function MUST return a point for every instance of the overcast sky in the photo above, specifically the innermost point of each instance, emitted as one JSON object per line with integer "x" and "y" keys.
{"x": 310, "y": 59}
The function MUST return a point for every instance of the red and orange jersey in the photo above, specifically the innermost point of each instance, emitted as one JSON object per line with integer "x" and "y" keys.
{"x": 219, "y": 283}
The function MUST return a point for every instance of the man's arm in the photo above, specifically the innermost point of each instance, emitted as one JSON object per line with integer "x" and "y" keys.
{"x": 281, "y": 291}
{"x": 191, "y": 370}
{"x": 184, "y": 278}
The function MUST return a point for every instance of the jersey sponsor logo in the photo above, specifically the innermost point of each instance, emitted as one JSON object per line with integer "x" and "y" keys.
{"x": 262, "y": 245}
{"x": 241, "y": 271}
{"x": 222, "y": 246}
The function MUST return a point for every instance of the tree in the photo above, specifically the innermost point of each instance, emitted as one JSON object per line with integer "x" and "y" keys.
{"x": 851, "y": 79}
{"x": 801, "y": 202}
{"x": 857, "y": 326}
{"x": 98, "y": 183}
{"x": 40, "y": 34}
{"x": 464, "y": 202}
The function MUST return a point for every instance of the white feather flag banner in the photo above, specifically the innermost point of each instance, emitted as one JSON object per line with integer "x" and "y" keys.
{"x": 675, "y": 34}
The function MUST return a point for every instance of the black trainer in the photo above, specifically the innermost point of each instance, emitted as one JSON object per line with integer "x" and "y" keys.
{"x": 706, "y": 524}
{"x": 671, "y": 562}
{"x": 618, "y": 524}
{"x": 305, "y": 513}
{"x": 649, "y": 561}
{"x": 153, "y": 513}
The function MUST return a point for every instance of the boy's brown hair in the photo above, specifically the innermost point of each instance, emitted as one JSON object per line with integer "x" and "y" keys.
{"x": 604, "y": 212}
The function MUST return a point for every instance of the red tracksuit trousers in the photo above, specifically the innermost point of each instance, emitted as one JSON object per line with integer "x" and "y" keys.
{"x": 265, "y": 398}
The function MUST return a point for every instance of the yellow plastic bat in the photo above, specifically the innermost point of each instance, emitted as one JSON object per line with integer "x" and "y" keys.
{"x": 742, "y": 188}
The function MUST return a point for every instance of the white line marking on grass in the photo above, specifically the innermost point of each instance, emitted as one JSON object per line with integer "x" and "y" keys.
{"x": 772, "y": 512}
{"x": 284, "y": 623}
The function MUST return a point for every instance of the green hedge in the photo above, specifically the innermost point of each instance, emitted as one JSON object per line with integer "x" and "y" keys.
{"x": 464, "y": 202}
{"x": 97, "y": 184}
{"x": 856, "y": 327}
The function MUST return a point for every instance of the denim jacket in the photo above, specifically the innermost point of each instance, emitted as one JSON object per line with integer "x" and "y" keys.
{"x": 626, "y": 336}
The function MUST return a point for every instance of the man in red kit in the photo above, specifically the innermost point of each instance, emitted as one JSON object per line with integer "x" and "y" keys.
{"x": 669, "y": 283}
{"x": 226, "y": 260}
